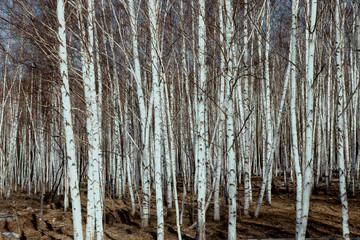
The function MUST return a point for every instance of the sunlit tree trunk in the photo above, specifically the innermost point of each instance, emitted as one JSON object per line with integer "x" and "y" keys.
{"x": 94, "y": 200}
{"x": 267, "y": 103}
{"x": 157, "y": 76}
{"x": 69, "y": 134}
{"x": 230, "y": 90}
{"x": 294, "y": 136}
{"x": 85, "y": 68}
{"x": 201, "y": 126}
{"x": 171, "y": 142}
{"x": 222, "y": 99}
{"x": 339, "y": 30}
{"x": 308, "y": 173}
{"x": 247, "y": 139}
{"x": 355, "y": 99}
{"x": 143, "y": 114}
{"x": 165, "y": 108}
{"x": 127, "y": 153}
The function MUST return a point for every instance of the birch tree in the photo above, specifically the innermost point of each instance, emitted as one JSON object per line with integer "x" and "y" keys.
{"x": 308, "y": 174}
{"x": 221, "y": 134}
{"x": 69, "y": 134}
{"x": 230, "y": 135}
{"x": 340, "y": 120}
{"x": 92, "y": 126}
{"x": 201, "y": 114}
{"x": 267, "y": 100}
{"x": 154, "y": 15}
{"x": 144, "y": 121}
{"x": 294, "y": 136}
{"x": 247, "y": 138}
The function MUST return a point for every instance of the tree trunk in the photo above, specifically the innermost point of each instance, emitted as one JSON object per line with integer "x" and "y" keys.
{"x": 69, "y": 134}
{"x": 308, "y": 173}
{"x": 340, "y": 121}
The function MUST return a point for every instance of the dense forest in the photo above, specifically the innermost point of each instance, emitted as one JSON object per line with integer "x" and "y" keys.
{"x": 162, "y": 102}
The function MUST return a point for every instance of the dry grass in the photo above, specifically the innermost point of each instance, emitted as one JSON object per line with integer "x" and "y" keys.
{"x": 21, "y": 214}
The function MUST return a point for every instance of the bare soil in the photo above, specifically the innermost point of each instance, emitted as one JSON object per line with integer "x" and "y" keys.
{"x": 21, "y": 214}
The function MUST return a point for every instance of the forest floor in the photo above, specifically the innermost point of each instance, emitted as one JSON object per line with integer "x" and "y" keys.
{"x": 21, "y": 214}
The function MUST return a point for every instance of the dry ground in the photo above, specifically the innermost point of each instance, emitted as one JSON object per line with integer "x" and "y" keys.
{"x": 21, "y": 214}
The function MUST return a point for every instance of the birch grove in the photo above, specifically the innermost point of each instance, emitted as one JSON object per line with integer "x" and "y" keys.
{"x": 189, "y": 112}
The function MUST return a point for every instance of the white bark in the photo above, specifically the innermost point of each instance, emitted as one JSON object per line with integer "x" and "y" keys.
{"x": 354, "y": 104}
{"x": 329, "y": 122}
{"x": 222, "y": 99}
{"x": 308, "y": 173}
{"x": 143, "y": 115}
{"x": 127, "y": 152}
{"x": 170, "y": 142}
{"x": 247, "y": 139}
{"x": 201, "y": 126}
{"x": 92, "y": 127}
{"x": 294, "y": 136}
{"x": 90, "y": 208}
{"x": 341, "y": 127}
{"x": 165, "y": 108}
{"x": 153, "y": 13}
{"x": 230, "y": 131}
{"x": 69, "y": 134}
{"x": 267, "y": 104}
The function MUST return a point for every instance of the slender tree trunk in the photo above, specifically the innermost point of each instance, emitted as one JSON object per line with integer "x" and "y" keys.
{"x": 308, "y": 173}
{"x": 340, "y": 120}
{"x": 143, "y": 115}
{"x": 201, "y": 116}
{"x": 171, "y": 143}
{"x": 93, "y": 134}
{"x": 247, "y": 135}
{"x": 69, "y": 134}
{"x": 157, "y": 76}
{"x": 267, "y": 105}
{"x": 330, "y": 109}
{"x": 294, "y": 136}
{"x": 230, "y": 90}
{"x": 222, "y": 99}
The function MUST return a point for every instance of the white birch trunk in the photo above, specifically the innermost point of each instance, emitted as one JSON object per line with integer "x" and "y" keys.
{"x": 247, "y": 139}
{"x": 294, "y": 136}
{"x": 69, "y": 134}
{"x": 153, "y": 13}
{"x": 267, "y": 104}
{"x": 330, "y": 106}
{"x": 201, "y": 126}
{"x": 230, "y": 90}
{"x": 93, "y": 134}
{"x": 341, "y": 123}
{"x": 172, "y": 152}
{"x": 222, "y": 135}
{"x": 165, "y": 108}
{"x": 143, "y": 114}
{"x": 308, "y": 173}
{"x": 127, "y": 152}
{"x": 231, "y": 160}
